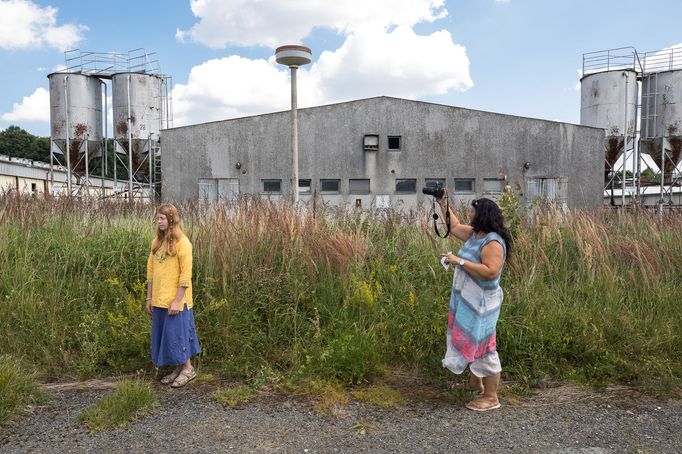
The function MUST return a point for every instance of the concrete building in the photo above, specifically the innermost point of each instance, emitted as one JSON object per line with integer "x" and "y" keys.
{"x": 382, "y": 151}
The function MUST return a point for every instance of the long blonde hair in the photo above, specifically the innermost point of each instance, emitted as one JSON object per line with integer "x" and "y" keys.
{"x": 172, "y": 234}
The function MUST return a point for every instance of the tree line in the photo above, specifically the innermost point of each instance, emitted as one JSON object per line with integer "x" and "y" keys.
{"x": 18, "y": 143}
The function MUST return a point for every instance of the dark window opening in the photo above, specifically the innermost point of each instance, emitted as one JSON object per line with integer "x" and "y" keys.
{"x": 304, "y": 186}
{"x": 272, "y": 186}
{"x": 394, "y": 143}
{"x": 465, "y": 185}
{"x": 406, "y": 186}
{"x": 330, "y": 186}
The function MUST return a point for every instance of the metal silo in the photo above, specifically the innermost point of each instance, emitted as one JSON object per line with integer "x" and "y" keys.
{"x": 662, "y": 120}
{"x": 76, "y": 117}
{"x": 137, "y": 108}
{"x": 608, "y": 100}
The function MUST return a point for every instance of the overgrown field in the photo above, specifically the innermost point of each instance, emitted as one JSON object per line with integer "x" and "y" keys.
{"x": 596, "y": 298}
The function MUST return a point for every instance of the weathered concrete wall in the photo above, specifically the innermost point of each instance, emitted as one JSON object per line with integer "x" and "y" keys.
{"x": 437, "y": 142}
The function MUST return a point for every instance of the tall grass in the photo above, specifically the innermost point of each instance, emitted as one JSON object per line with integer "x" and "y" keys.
{"x": 18, "y": 388}
{"x": 340, "y": 295}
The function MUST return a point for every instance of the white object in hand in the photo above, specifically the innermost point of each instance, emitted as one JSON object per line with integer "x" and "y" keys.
{"x": 445, "y": 264}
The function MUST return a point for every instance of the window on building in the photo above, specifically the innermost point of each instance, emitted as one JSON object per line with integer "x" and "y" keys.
{"x": 358, "y": 186}
{"x": 272, "y": 186}
{"x": 405, "y": 186}
{"x": 330, "y": 186}
{"x": 370, "y": 142}
{"x": 394, "y": 143}
{"x": 208, "y": 190}
{"x": 548, "y": 190}
{"x": 465, "y": 185}
{"x": 493, "y": 185}
{"x": 304, "y": 186}
{"x": 34, "y": 187}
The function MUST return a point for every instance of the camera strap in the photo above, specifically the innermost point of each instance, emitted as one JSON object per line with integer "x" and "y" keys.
{"x": 447, "y": 218}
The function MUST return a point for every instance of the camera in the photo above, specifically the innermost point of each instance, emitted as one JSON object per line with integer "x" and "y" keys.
{"x": 435, "y": 190}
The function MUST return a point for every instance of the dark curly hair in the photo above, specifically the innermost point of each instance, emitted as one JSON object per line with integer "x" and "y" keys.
{"x": 488, "y": 219}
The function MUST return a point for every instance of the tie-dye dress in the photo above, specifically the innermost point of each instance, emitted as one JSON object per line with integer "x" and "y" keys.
{"x": 474, "y": 309}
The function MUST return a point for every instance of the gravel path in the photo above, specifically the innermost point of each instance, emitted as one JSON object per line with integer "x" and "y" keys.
{"x": 555, "y": 421}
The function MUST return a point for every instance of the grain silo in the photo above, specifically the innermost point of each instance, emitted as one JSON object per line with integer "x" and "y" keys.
{"x": 137, "y": 109}
{"x": 608, "y": 100}
{"x": 141, "y": 107}
{"x": 76, "y": 119}
{"x": 662, "y": 123}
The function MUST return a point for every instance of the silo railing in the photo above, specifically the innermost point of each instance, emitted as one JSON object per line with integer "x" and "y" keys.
{"x": 611, "y": 59}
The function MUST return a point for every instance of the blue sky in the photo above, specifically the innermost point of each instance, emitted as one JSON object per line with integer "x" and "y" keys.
{"x": 518, "y": 57}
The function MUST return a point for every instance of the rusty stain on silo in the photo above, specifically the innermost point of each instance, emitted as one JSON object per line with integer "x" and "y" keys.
{"x": 122, "y": 127}
{"x": 614, "y": 145}
{"x": 79, "y": 129}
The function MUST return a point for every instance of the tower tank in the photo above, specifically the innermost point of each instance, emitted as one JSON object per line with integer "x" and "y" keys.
{"x": 76, "y": 116}
{"x": 605, "y": 97}
{"x": 662, "y": 117}
{"x": 138, "y": 97}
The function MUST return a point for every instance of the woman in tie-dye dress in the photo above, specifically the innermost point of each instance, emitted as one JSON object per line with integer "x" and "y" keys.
{"x": 476, "y": 299}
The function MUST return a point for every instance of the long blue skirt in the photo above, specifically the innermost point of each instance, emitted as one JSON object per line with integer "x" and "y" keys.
{"x": 174, "y": 337}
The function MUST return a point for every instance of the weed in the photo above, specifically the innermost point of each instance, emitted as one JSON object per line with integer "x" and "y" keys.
{"x": 18, "y": 388}
{"x": 380, "y": 396}
{"x": 362, "y": 427}
{"x": 234, "y": 397}
{"x": 131, "y": 400}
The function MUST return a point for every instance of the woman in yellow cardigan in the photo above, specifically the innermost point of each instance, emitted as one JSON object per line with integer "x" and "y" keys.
{"x": 169, "y": 298}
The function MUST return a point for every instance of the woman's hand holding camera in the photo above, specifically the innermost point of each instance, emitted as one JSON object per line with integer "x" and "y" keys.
{"x": 442, "y": 200}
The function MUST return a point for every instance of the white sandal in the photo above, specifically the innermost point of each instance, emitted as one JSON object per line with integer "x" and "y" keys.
{"x": 183, "y": 378}
{"x": 170, "y": 378}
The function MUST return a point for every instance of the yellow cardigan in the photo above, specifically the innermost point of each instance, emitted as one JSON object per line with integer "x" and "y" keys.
{"x": 167, "y": 273}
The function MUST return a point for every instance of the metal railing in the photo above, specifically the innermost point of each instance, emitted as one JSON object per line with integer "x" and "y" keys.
{"x": 662, "y": 60}
{"x": 611, "y": 59}
{"x": 106, "y": 64}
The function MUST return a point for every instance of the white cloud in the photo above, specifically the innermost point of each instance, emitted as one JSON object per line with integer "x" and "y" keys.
{"x": 275, "y": 22}
{"x": 35, "y": 107}
{"x": 371, "y": 62}
{"x": 400, "y": 63}
{"x": 230, "y": 87}
{"x": 381, "y": 55}
{"x": 502, "y": 1}
{"x": 23, "y": 25}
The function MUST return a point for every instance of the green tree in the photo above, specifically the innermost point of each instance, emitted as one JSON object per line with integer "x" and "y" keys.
{"x": 16, "y": 142}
